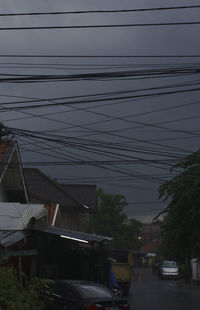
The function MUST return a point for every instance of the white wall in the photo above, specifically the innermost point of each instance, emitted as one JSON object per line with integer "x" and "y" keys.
{"x": 195, "y": 264}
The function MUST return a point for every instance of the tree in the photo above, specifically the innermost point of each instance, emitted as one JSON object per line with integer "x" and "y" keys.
{"x": 181, "y": 229}
{"x": 110, "y": 220}
{"x": 128, "y": 235}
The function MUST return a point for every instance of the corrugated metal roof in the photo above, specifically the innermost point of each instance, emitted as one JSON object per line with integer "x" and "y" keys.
{"x": 8, "y": 239}
{"x": 75, "y": 235}
{"x": 16, "y": 216}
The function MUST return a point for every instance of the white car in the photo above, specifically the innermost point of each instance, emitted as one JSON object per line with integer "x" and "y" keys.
{"x": 169, "y": 269}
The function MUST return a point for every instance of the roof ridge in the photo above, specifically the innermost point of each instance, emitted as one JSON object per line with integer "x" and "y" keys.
{"x": 57, "y": 185}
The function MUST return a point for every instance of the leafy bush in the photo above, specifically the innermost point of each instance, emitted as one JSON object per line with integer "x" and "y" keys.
{"x": 13, "y": 296}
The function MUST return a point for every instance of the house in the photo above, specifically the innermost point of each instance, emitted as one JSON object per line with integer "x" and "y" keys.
{"x": 150, "y": 236}
{"x": 75, "y": 201}
{"x": 18, "y": 246}
{"x": 85, "y": 194}
{"x": 42, "y": 221}
{"x": 12, "y": 184}
{"x": 35, "y": 249}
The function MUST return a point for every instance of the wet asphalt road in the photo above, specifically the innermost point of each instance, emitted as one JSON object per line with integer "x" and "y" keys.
{"x": 149, "y": 292}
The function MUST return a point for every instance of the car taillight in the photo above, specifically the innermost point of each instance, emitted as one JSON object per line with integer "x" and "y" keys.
{"x": 94, "y": 307}
{"x": 126, "y": 307}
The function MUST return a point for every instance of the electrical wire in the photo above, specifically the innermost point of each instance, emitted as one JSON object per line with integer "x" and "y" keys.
{"x": 103, "y": 26}
{"x": 98, "y": 56}
{"x": 100, "y": 95}
{"x": 183, "y": 7}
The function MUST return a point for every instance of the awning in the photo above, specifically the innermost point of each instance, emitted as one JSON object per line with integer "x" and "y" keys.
{"x": 76, "y": 236}
{"x": 8, "y": 239}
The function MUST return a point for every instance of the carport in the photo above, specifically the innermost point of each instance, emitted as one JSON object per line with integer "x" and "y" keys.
{"x": 67, "y": 254}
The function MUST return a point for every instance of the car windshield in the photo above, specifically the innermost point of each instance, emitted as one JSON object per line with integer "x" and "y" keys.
{"x": 93, "y": 291}
{"x": 169, "y": 264}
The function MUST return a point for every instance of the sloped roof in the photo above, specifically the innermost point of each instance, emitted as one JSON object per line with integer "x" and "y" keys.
{"x": 16, "y": 216}
{"x": 75, "y": 235}
{"x": 7, "y": 148}
{"x": 9, "y": 238}
{"x": 41, "y": 187}
{"x": 84, "y": 193}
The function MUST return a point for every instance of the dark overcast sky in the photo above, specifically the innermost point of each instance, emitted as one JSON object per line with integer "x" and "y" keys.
{"x": 161, "y": 128}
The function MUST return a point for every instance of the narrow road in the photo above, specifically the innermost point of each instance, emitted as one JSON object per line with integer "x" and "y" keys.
{"x": 149, "y": 292}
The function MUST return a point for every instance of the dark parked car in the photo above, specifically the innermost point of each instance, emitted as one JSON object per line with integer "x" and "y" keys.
{"x": 82, "y": 295}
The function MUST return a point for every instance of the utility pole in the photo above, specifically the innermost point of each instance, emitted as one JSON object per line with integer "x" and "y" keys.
{"x": 4, "y": 131}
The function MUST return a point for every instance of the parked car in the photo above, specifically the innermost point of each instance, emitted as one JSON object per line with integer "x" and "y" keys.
{"x": 83, "y": 295}
{"x": 169, "y": 269}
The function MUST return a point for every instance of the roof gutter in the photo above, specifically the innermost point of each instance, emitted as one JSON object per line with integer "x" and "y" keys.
{"x": 74, "y": 239}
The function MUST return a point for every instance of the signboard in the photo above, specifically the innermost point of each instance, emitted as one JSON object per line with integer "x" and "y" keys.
{"x": 151, "y": 254}
{"x": 30, "y": 252}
